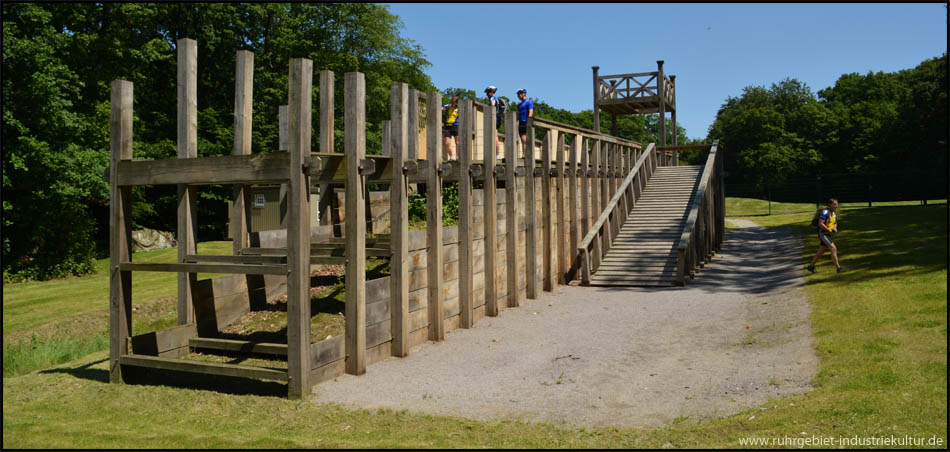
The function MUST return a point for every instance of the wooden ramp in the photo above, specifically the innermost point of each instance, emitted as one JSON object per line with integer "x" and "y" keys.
{"x": 644, "y": 253}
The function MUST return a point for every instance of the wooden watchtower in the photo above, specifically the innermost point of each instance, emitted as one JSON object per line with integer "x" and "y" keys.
{"x": 635, "y": 94}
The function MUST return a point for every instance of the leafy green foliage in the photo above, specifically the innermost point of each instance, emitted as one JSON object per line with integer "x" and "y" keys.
{"x": 58, "y": 63}
{"x": 864, "y": 123}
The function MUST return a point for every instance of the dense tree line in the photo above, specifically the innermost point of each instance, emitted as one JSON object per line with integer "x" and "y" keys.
{"x": 878, "y": 122}
{"x": 58, "y": 63}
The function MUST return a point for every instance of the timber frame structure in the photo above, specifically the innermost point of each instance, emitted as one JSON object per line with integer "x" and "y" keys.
{"x": 576, "y": 183}
{"x": 635, "y": 94}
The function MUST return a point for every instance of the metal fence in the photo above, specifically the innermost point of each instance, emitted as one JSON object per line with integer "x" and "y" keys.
{"x": 909, "y": 185}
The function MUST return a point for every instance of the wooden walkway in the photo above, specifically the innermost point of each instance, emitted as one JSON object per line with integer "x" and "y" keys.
{"x": 644, "y": 253}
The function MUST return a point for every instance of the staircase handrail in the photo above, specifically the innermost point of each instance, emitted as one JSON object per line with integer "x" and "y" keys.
{"x": 649, "y": 155}
{"x": 691, "y": 249}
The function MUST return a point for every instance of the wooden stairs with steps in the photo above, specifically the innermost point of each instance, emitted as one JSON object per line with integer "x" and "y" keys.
{"x": 644, "y": 253}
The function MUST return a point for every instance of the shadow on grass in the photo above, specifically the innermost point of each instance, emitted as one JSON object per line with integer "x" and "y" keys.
{"x": 202, "y": 382}
{"x": 85, "y": 371}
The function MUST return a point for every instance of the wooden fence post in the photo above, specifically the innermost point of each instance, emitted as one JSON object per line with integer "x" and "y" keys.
{"x": 187, "y": 148}
{"x": 434, "y": 218}
{"x": 489, "y": 212}
{"x": 120, "y": 228}
{"x": 298, "y": 230}
{"x": 399, "y": 220}
{"x": 550, "y": 139}
{"x": 467, "y": 122}
{"x": 561, "y": 200}
{"x": 511, "y": 208}
{"x": 354, "y": 85}
{"x": 572, "y": 198}
{"x": 243, "y": 102}
{"x": 327, "y": 195}
{"x": 531, "y": 217}
{"x": 596, "y": 206}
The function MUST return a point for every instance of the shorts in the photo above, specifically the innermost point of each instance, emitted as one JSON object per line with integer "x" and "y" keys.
{"x": 450, "y": 131}
{"x": 824, "y": 239}
{"x": 522, "y": 128}
{"x": 497, "y": 122}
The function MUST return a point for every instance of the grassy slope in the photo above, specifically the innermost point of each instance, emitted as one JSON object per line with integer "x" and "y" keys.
{"x": 880, "y": 333}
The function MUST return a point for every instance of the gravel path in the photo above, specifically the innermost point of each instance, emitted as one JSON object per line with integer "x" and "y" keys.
{"x": 626, "y": 357}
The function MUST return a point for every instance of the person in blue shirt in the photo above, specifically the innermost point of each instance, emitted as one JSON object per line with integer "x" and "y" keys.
{"x": 827, "y": 225}
{"x": 525, "y": 111}
{"x": 499, "y": 113}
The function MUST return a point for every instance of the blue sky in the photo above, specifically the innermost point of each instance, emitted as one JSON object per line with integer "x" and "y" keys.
{"x": 714, "y": 49}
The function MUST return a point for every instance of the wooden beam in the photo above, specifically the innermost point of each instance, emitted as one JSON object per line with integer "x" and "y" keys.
{"x": 243, "y": 113}
{"x": 596, "y": 206}
{"x": 435, "y": 312}
{"x": 547, "y": 218}
{"x": 585, "y": 209}
{"x": 228, "y": 169}
{"x": 562, "y": 217}
{"x": 511, "y": 210}
{"x": 466, "y": 148}
{"x": 531, "y": 217}
{"x": 238, "y": 346}
{"x": 399, "y": 221}
{"x": 572, "y": 207}
{"x": 489, "y": 215}
{"x": 120, "y": 228}
{"x": 187, "y": 149}
{"x": 327, "y": 195}
{"x": 298, "y": 230}
{"x": 181, "y": 365}
{"x": 355, "y": 150}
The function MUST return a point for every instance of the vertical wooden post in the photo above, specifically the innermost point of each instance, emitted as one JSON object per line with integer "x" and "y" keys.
{"x": 660, "y": 92}
{"x": 298, "y": 230}
{"x": 489, "y": 210}
{"x": 354, "y": 146}
{"x": 605, "y": 194}
{"x": 120, "y": 228}
{"x": 386, "y": 141}
{"x": 596, "y": 99}
{"x": 595, "y": 199}
{"x": 243, "y": 102}
{"x": 585, "y": 192}
{"x": 550, "y": 139}
{"x": 612, "y": 157}
{"x": 434, "y": 218}
{"x": 399, "y": 220}
{"x": 561, "y": 200}
{"x": 572, "y": 209}
{"x": 531, "y": 217}
{"x": 676, "y": 154}
{"x": 283, "y": 145}
{"x": 413, "y": 124}
{"x": 466, "y": 147}
{"x": 511, "y": 208}
{"x": 187, "y": 148}
{"x": 327, "y": 195}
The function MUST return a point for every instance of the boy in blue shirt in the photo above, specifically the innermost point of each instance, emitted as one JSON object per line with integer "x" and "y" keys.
{"x": 525, "y": 111}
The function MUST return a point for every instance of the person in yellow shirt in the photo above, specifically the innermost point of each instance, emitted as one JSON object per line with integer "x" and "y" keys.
{"x": 827, "y": 225}
{"x": 451, "y": 129}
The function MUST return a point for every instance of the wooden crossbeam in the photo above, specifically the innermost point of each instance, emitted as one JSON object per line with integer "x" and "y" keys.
{"x": 231, "y": 370}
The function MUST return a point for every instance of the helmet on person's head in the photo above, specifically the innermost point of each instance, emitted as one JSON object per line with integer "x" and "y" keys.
{"x": 491, "y": 89}
{"x": 522, "y": 90}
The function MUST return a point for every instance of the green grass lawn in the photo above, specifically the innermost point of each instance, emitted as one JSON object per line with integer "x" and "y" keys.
{"x": 880, "y": 333}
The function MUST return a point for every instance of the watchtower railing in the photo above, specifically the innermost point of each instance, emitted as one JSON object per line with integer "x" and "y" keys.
{"x": 602, "y": 233}
{"x": 705, "y": 223}
{"x": 625, "y": 87}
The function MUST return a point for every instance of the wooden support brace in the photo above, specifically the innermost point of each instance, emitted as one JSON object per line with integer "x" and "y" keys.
{"x": 511, "y": 211}
{"x": 466, "y": 147}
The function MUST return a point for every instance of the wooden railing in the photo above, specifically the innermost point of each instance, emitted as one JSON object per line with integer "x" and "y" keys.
{"x": 705, "y": 223}
{"x": 633, "y": 86}
{"x": 602, "y": 233}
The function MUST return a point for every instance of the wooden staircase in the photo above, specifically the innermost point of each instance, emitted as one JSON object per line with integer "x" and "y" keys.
{"x": 644, "y": 253}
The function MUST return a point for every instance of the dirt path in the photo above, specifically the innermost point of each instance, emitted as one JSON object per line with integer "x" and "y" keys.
{"x": 626, "y": 357}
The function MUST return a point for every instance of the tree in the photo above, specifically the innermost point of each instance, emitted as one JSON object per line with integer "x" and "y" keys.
{"x": 59, "y": 60}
